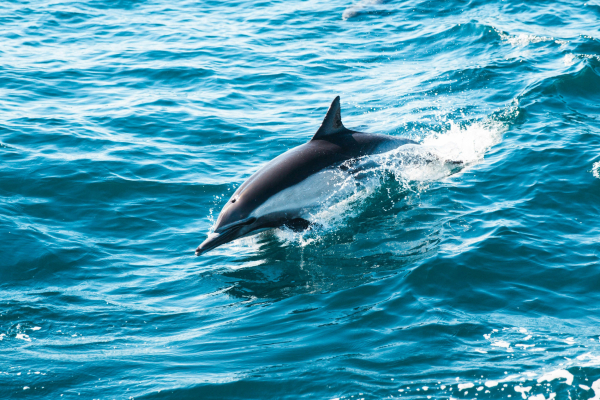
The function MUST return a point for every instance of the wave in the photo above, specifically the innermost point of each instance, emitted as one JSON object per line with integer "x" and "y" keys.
{"x": 578, "y": 86}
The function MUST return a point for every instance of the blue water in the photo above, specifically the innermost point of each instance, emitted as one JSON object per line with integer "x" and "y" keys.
{"x": 125, "y": 126}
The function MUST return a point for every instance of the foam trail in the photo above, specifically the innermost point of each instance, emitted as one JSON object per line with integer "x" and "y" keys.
{"x": 439, "y": 153}
{"x": 414, "y": 167}
{"x": 468, "y": 144}
{"x": 596, "y": 170}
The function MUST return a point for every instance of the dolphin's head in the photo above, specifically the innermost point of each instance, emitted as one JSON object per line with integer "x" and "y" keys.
{"x": 234, "y": 222}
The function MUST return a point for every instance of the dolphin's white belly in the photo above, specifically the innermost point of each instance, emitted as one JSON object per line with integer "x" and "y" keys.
{"x": 313, "y": 192}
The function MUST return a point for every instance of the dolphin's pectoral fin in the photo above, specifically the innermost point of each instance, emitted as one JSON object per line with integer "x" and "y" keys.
{"x": 298, "y": 224}
{"x": 332, "y": 123}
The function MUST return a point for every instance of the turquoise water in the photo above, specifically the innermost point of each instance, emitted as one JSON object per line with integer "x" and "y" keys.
{"x": 126, "y": 125}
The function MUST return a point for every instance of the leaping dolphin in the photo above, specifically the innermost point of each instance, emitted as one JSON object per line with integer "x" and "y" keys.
{"x": 278, "y": 193}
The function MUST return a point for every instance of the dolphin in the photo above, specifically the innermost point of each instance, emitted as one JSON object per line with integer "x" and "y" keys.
{"x": 280, "y": 192}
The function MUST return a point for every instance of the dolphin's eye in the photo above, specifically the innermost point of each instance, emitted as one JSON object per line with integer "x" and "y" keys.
{"x": 233, "y": 200}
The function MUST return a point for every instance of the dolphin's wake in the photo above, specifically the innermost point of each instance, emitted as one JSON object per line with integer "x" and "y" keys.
{"x": 413, "y": 168}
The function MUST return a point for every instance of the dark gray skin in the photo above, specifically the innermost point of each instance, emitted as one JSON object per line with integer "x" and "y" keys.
{"x": 331, "y": 146}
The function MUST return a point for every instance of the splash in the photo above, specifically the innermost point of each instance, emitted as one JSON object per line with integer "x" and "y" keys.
{"x": 567, "y": 370}
{"x": 571, "y": 58}
{"x": 523, "y": 39}
{"x": 468, "y": 144}
{"x": 413, "y": 168}
{"x": 596, "y": 169}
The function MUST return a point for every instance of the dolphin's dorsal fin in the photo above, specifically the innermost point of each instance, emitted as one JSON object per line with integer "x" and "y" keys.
{"x": 332, "y": 124}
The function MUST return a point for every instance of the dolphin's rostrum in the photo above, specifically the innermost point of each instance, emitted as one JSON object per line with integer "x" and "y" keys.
{"x": 274, "y": 196}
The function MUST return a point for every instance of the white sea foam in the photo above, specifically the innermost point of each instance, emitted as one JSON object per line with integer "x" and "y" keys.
{"x": 501, "y": 343}
{"x": 523, "y": 390}
{"x": 558, "y": 374}
{"x": 524, "y": 39}
{"x": 596, "y": 389}
{"x": 531, "y": 383}
{"x": 23, "y": 336}
{"x": 467, "y": 144}
{"x": 524, "y": 346}
{"x": 331, "y": 196}
{"x": 569, "y": 59}
{"x": 542, "y": 397}
{"x": 570, "y": 340}
{"x": 590, "y": 359}
{"x": 432, "y": 159}
{"x": 596, "y": 169}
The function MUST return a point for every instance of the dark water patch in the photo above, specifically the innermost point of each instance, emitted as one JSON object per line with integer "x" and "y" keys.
{"x": 173, "y": 77}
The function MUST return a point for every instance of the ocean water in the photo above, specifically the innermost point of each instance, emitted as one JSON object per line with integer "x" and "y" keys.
{"x": 125, "y": 126}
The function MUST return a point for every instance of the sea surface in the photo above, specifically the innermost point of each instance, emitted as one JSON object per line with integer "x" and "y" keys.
{"x": 126, "y": 125}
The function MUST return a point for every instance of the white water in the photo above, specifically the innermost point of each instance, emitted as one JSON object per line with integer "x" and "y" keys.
{"x": 332, "y": 196}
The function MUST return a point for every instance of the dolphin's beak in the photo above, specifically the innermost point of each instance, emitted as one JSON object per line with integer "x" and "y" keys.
{"x": 216, "y": 239}
{"x": 210, "y": 243}
{"x": 228, "y": 233}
